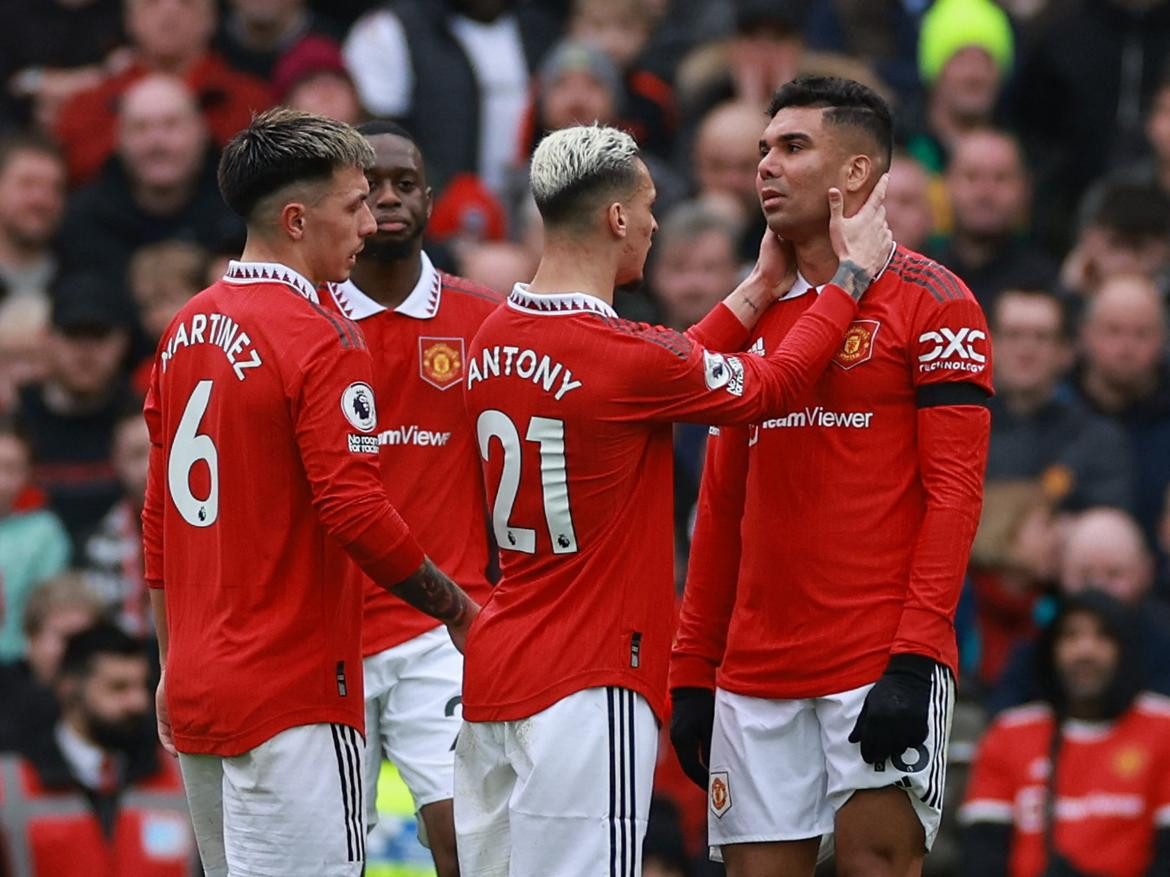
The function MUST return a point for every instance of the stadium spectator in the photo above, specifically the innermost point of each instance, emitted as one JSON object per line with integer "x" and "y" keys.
{"x": 70, "y": 415}
{"x": 56, "y": 609}
{"x": 312, "y": 77}
{"x": 1038, "y": 432}
{"x": 92, "y": 793}
{"x": 33, "y": 543}
{"x": 965, "y": 54}
{"x": 723, "y": 164}
{"x": 908, "y": 202}
{"x": 417, "y": 322}
{"x": 987, "y": 185}
{"x": 621, "y": 29}
{"x": 1079, "y": 782}
{"x": 51, "y": 50}
{"x": 470, "y": 57}
{"x": 763, "y": 53}
{"x": 290, "y": 385}
{"x": 1083, "y": 92}
{"x": 816, "y": 690}
{"x": 253, "y": 35}
{"x": 32, "y": 200}
{"x": 529, "y": 800}
{"x": 579, "y": 84}
{"x": 23, "y": 326}
{"x": 160, "y": 186}
{"x": 163, "y": 277}
{"x": 111, "y": 555}
{"x": 883, "y": 35}
{"x": 170, "y": 37}
{"x": 1102, "y": 549}
{"x": 498, "y": 265}
{"x": 1124, "y": 374}
{"x": 1125, "y": 228}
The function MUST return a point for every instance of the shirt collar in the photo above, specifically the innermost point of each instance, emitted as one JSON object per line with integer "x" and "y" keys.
{"x": 84, "y": 758}
{"x": 422, "y": 303}
{"x": 557, "y": 303}
{"x": 242, "y": 273}
{"x": 801, "y": 286}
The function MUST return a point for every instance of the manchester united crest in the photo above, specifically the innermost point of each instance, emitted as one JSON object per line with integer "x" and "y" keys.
{"x": 440, "y": 361}
{"x": 858, "y": 344}
{"x": 720, "y": 793}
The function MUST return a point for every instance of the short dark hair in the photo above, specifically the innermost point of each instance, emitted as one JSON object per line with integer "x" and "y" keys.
{"x": 1062, "y": 305}
{"x": 376, "y": 127}
{"x": 102, "y": 638}
{"x": 1134, "y": 212}
{"x": 282, "y": 147}
{"x": 846, "y": 103}
{"x": 28, "y": 141}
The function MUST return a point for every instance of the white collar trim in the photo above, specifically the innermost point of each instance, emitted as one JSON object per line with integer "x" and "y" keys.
{"x": 422, "y": 303}
{"x": 801, "y": 286}
{"x": 84, "y": 758}
{"x": 242, "y": 273}
{"x": 552, "y": 304}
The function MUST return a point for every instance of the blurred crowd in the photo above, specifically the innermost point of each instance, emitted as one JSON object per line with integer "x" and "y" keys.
{"x": 1033, "y": 159}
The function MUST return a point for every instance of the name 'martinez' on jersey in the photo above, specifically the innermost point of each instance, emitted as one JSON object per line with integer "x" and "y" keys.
{"x": 218, "y": 330}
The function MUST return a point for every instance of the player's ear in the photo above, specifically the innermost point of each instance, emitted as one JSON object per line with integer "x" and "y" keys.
{"x": 859, "y": 173}
{"x": 292, "y": 220}
{"x": 616, "y": 219}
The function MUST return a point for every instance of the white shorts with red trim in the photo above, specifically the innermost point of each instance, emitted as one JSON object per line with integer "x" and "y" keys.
{"x": 781, "y": 769}
{"x": 565, "y": 792}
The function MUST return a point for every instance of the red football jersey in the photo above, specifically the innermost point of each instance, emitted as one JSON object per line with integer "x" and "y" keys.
{"x": 838, "y": 532}
{"x": 263, "y": 474}
{"x": 1112, "y": 787}
{"x": 427, "y": 448}
{"x": 572, "y": 408}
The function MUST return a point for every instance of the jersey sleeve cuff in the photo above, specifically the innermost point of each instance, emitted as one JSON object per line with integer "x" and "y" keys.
{"x": 155, "y": 584}
{"x": 925, "y": 633}
{"x": 720, "y": 331}
{"x": 397, "y": 564}
{"x": 688, "y": 671}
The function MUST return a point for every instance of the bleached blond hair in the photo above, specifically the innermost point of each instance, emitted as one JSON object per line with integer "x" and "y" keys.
{"x": 573, "y": 167}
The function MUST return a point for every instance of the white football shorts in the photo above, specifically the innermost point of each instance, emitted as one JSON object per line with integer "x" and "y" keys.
{"x": 412, "y": 718}
{"x": 565, "y": 792}
{"x": 781, "y": 769}
{"x": 291, "y": 807}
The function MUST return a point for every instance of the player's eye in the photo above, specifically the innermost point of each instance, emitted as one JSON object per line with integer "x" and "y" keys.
{"x": 406, "y": 185}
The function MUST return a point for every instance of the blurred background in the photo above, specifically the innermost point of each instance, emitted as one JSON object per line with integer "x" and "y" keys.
{"x": 1033, "y": 159}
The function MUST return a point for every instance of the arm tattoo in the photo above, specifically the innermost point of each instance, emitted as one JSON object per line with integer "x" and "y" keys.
{"x": 751, "y": 304}
{"x": 430, "y": 591}
{"x": 852, "y": 278}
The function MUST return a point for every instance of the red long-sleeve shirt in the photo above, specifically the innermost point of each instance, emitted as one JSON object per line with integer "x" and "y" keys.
{"x": 427, "y": 448}
{"x": 838, "y": 533}
{"x": 573, "y": 407}
{"x": 263, "y": 477}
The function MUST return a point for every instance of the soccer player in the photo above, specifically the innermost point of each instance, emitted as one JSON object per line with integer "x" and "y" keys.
{"x": 1077, "y": 783}
{"x": 830, "y": 545}
{"x": 565, "y": 671}
{"x": 418, "y": 322}
{"x": 263, "y": 477}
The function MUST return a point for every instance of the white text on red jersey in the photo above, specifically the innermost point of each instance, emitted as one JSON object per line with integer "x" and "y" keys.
{"x": 218, "y": 330}
{"x": 413, "y": 435}
{"x": 502, "y": 362}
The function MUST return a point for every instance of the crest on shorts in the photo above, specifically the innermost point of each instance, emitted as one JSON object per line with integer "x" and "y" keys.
{"x": 858, "y": 344}
{"x": 720, "y": 792}
{"x": 440, "y": 361}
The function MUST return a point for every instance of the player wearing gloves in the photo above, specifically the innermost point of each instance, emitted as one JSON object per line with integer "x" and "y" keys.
{"x": 565, "y": 669}
{"x": 812, "y": 675}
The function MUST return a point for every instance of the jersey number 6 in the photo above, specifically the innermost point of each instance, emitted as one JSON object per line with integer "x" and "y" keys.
{"x": 187, "y": 449}
{"x": 550, "y": 435}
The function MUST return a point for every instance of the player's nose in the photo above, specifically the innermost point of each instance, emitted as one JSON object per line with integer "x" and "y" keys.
{"x": 367, "y": 226}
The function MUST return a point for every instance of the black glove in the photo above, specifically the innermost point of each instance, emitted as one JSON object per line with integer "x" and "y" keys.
{"x": 692, "y": 715}
{"x": 894, "y": 715}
